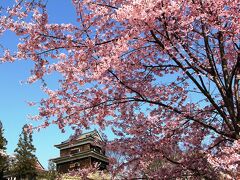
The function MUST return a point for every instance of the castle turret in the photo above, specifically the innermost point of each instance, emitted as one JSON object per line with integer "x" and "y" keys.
{"x": 81, "y": 152}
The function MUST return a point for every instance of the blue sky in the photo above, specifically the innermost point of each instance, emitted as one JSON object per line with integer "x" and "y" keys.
{"x": 14, "y": 95}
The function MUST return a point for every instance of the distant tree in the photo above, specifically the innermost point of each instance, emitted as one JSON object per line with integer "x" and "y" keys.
{"x": 3, "y": 155}
{"x": 51, "y": 174}
{"x": 25, "y": 165}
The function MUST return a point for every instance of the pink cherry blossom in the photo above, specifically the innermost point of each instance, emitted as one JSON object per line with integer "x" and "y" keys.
{"x": 163, "y": 75}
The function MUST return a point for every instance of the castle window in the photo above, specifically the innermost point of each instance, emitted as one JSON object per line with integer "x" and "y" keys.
{"x": 74, "y": 151}
{"x": 97, "y": 149}
{"x": 77, "y": 164}
{"x": 74, "y": 165}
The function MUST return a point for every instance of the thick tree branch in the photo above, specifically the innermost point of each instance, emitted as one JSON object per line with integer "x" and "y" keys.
{"x": 206, "y": 93}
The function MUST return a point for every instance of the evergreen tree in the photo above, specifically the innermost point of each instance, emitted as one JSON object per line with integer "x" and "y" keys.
{"x": 25, "y": 166}
{"x": 3, "y": 155}
{"x": 52, "y": 173}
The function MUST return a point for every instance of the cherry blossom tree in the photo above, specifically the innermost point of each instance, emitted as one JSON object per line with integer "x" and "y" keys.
{"x": 164, "y": 74}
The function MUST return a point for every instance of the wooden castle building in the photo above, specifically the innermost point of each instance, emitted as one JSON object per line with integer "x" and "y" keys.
{"x": 82, "y": 152}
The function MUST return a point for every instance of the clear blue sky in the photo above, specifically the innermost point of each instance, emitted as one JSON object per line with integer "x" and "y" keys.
{"x": 14, "y": 95}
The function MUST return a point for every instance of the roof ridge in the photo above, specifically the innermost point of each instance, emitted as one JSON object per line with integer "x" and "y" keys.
{"x": 80, "y": 135}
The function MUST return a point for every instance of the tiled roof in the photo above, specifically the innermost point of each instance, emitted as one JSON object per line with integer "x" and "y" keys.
{"x": 39, "y": 166}
{"x": 95, "y": 134}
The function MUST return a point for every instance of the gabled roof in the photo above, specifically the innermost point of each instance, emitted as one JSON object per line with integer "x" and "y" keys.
{"x": 81, "y": 155}
{"x": 93, "y": 133}
{"x": 83, "y": 137}
{"x": 39, "y": 166}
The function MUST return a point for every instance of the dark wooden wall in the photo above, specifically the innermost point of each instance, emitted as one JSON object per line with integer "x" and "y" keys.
{"x": 65, "y": 167}
{"x": 67, "y": 152}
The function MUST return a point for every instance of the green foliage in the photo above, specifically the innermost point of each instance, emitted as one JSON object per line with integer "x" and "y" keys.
{"x": 51, "y": 174}
{"x": 3, "y": 156}
{"x": 25, "y": 165}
